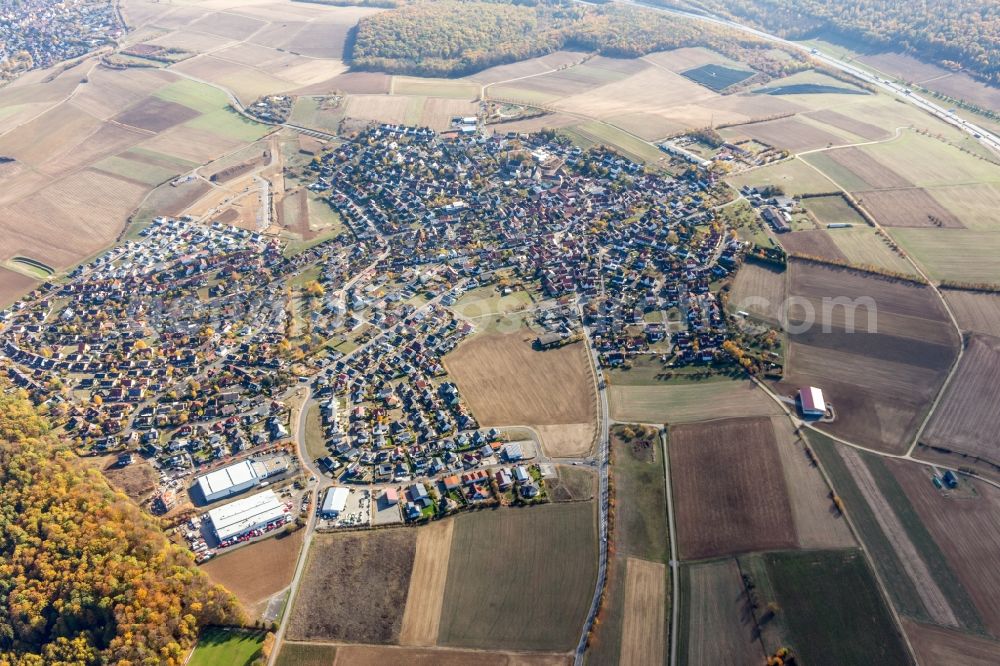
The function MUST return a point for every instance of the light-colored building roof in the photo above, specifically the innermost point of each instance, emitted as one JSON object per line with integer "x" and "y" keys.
{"x": 335, "y": 500}
{"x": 246, "y": 514}
{"x": 222, "y": 480}
{"x": 812, "y": 400}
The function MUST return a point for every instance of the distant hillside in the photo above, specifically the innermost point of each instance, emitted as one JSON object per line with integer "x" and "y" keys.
{"x": 85, "y": 576}
{"x": 952, "y": 33}
{"x": 452, "y": 38}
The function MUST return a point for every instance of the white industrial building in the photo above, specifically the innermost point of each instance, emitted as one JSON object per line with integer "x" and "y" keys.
{"x": 228, "y": 481}
{"x": 250, "y": 513}
{"x": 334, "y": 502}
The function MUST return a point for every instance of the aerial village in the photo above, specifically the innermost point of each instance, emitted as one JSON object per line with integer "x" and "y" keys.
{"x": 36, "y": 33}
{"x": 195, "y": 346}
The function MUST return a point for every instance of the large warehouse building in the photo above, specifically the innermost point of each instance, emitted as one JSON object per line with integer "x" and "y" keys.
{"x": 228, "y": 481}
{"x": 812, "y": 402}
{"x": 250, "y": 513}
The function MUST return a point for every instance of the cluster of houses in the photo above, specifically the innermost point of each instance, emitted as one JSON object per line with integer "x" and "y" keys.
{"x": 37, "y": 33}
{"x": 633, "y": 245}
{"x": 180, "y": 345}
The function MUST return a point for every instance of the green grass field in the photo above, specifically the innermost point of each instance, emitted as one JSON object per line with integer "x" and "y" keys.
{"x": 640, "y": 498}
{"x": 520, "y": 579}
{"x": 229, "y": 124}
{"x": 221, "y": 647}
{"x": 833, "y": 609}
{"x": 305, "y": 654}
{"x": 832, "y": 210}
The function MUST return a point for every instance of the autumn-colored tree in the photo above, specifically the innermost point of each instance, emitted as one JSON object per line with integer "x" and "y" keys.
{"x": 85, "y": 576}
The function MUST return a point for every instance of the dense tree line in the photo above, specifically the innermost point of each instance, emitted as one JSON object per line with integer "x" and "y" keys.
{"x": 85, "y": 576}
{"x": 952, "y": 33}
{"x": 454, "y": 38}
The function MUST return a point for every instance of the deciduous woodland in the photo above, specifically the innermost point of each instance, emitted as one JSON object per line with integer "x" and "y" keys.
{"x": 451, "y": 38}
{"x": 953, "y": 33}
{"x": 85, "y": 576}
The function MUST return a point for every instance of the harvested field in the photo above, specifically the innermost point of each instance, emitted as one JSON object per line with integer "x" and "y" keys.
{"x": 759, "y": 289}
{"x": 975, "y": 311}
{"x": 257, "y": 572}
{"x": 520, "y": 579}
{"x": 643, "y": 639}
{"x": 967, "y": 419}
{"x": 70, "y": 220}
{"x": 974, "y": 205}
{"x": 863, "y": 247}
{"x": 937, "y": 645}
{"x": 966, "y": 530}
{"x": 851, "y": 625}
{"x": 155, "y": 115}
{"x": 963, "y": 255}
{"x": 907, "y": 208}
{"x": 678, "y": 403}
{"x": 381, "y": 108}
{"x": 813, "y": 243}
{"x": 529, "y": 67}
{"x": 715, "y": 625}
{"x": 867, "y": 168}
{"x": 567, "y": 441}
{"x": 652, "y": 90}
{"x": 444, "y": 88}
{"x": 903, "y": 66}
{"x": 928, "y": 161}
{"x": 437, "y": 112}
{"x": 370, "y": 655}
{"x": 857, "y": 127}
{"x": 790, "y": 133}
{"x": 881, "y": 377}
{"x": 13, "y": 285}
{"x": 818, "y": 523}
{"x": 343, "y": 562}
{"x": 506, "y": 382}
{"x": 226, "y": 24}
{"x": 422, "y": 616}
{"x": 931, "y": 595}
{"x": 352, "y": 83}
{"x": 190, "y": 144}
{"x": 727, "y": 474}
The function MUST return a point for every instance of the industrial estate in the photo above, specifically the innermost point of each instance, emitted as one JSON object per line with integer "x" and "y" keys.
{"x": 496, "y": 332}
